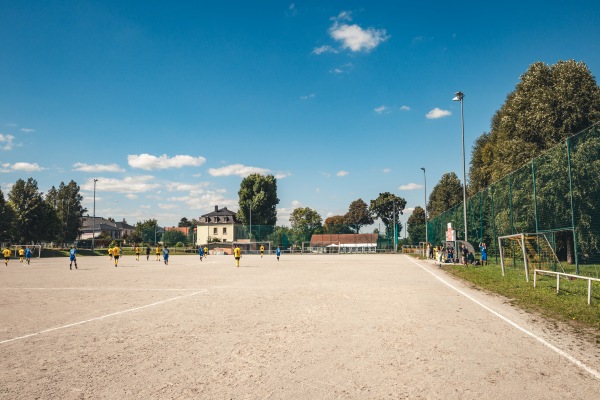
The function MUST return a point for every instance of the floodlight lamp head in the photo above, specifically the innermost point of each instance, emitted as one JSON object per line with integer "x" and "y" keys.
{"x": 458, "y": 96}
{"x": 423, "y": 168}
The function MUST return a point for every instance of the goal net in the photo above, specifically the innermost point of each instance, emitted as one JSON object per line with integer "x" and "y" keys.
{"x": 36, "y": 249}
{"x": 253, "y": 247}
{"x": 534, "y": 249}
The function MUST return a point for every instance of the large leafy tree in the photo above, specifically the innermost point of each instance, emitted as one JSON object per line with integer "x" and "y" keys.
{"x": 416, "y": 226}
{"x": 336, "y": 224}
{"x": 259, "y": 194}
{"x": 549, "y": 103}
{"x": 387, "y": 207}
{"x": 184, "y": 222}
{"x": 305, "y": 221}
{"x": 33, "y": 217}
{"x": 171, "y": 237}
{"x": 6, "y": 218}
{"x": 148, "y": 231}
{"x": 358, "y": 215}
{"x": 446, "y": 194}
{"x": 66, "y": 202}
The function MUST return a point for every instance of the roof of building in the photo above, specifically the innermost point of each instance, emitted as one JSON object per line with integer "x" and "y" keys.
{"x": 343, "y": 239}
{"x": 222, "y": 215}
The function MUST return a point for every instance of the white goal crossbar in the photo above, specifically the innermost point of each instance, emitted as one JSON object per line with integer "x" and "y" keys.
{"x": 522, "y": 239}
{"x": 253, "y": 246}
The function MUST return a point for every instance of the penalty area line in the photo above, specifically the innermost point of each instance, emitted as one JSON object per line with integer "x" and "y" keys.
{"x": 101, "y": 317}
{"x": 549, "y": 345}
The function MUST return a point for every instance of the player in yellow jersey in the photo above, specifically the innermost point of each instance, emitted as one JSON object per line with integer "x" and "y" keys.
{"x": 237, "y": 253}
{"x": 157, "y": 251}
{"x": 110, "y": 252}
{"x": 137, "y": 252}
{"x": 205, "y": 251}
{"x": 6, "y": 254}
{"x": 21, "y": 254}
{"x": 116, "y": 254}
{"x": 262, "y": 251}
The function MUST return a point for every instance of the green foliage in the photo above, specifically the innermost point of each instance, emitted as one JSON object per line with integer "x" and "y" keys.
{"x": 171, "y": 237}
{"x": 6, "y": 219}
{"x": 387, "y": 207}
{"x": 258, "y": 195}
{"x": 148, "y": 231}
{"x": 416, "y": 226}
{"x": 446, "y": 194}
{"x": 32, "y": 216}
{"x": 358, "y": 215}
{"x": 66, "y": 203}
{"x": 336, "y": 224}
{"x": 305, "y": 221}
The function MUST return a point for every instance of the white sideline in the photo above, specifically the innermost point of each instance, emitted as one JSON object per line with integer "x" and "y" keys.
{"x": 105, "y": 289}
{"x": 575, "y": 361}
{"x": 99, "y": 318}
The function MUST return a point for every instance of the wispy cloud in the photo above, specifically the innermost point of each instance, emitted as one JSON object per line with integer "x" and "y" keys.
{"x": 387, "y": 170}
{"x": 20, "y": 167}
{"x": 353, "y": 37}
{"x": 27, "y": 130}
{"x": 437, "y": 113}
{"x": 405, "y": 108}
{"x": 97, "y": 167}
{"x": 131, "y": 196}
{"x": 307, "y": 97}
{"x": 411, "y": 186}
{"x": 149, "y": 162}
{"x": 130, "y": 184}
{"x": 343, "y": 69}
{"x": 324, "y": 49}
{"x": 381, "y": 109}
{"x": 342, "y": 173}
{"x": 6, "y": 141}
{"x": 238, "y": 170}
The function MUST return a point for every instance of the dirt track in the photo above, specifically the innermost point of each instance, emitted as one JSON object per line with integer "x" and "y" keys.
{"x": 306, "y": 327}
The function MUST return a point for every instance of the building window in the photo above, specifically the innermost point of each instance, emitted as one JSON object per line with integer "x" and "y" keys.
{"x": 215, "y": 231}
{"x": 224, "y": 231}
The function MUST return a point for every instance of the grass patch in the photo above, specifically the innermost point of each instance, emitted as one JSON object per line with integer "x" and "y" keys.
{"x": 569, "y": 305}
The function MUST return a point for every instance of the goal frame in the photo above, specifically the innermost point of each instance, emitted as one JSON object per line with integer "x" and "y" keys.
{"x": 520, "y": 238}
{"x": 32, "y": 246}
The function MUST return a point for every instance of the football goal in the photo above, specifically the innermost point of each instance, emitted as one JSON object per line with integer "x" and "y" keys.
{"x": 36, "y": 249}
{"x": 535, "y": 249}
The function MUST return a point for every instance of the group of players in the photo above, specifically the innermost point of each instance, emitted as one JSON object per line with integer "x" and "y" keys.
{"x": 24, "y": 255}
{"x": 116, "y": 252}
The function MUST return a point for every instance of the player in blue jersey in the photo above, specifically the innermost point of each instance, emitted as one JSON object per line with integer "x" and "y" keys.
{"x": 166, "y": 255}
{"x": 278, "y": 252}
{"x": 73, "y": 257}
{"x": 201, "y": 252}
{"x": 27, "y": 255}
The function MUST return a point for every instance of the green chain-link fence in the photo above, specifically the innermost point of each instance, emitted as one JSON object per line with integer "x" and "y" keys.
{"x": 556, "y": 194}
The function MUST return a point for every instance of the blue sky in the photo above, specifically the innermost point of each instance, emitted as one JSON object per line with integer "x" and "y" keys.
{"x": 170, "y": 104}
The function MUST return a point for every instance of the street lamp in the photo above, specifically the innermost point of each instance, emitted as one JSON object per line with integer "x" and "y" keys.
{"x": 94, "y": 218}
{"x": 425, "y": 179}
{"x": 458, "y": 96}
{"x": 250, "y": 234}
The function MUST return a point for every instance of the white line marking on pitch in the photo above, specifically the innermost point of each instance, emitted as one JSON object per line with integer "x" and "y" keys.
{"x": 575, "y": 361}
{"x": 99, "y": 318}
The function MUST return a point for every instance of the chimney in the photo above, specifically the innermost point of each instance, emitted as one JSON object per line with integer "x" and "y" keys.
{"x": 216, "y": 208}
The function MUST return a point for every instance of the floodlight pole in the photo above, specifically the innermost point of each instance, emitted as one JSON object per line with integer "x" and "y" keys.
{"x": 94, "y": 217}
{"x": 250, "y": 233}
{"x": 459, "y": 97}
{"x": 425, "y": 207}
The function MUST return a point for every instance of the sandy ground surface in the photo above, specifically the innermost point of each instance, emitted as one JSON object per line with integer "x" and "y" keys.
{"x": 306, "y": 327}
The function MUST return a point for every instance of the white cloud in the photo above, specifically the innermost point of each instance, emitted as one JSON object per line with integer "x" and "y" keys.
{"x": 310, "y": 96}
{"x": 145, "y": 207}
{"x": 149, "y": 162}
{"x": 6, "y": 141}
{"x": 387, "y": 170}
{"x": 27, "y": 130}
{"x": 411, "y": 186}
{"x": 282, "y": 175}
{"x": 353, "y": 37}
{"x": 131, "y": 196}
{"x": 238, "y": 170}
{"x": 167, "y": 206}
{"x": 342, "y": 173}
{"x": 21, "y": 167}
{"x": 405, "y": 108}
{"x": 437, "y": 113}
{"x": 380, "y": 109}
{"x": 343, "y": 69}
{"x": 130, "y": 184}
{"x": 324, "y": 49}
{"x": 97, "y": 167}
{"x": 296, "y": 204}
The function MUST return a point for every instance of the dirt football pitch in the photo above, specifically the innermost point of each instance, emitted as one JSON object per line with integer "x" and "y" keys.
{"x": 304, "y": 327}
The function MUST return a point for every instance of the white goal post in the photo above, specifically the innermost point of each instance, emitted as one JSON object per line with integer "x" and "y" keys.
{"x": 34, "y": 248}
{"x": 524, "y": 240}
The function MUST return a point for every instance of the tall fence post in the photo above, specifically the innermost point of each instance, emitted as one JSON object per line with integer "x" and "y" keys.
{"x": 534, "y": 196}
{"x": 572, "y": 206}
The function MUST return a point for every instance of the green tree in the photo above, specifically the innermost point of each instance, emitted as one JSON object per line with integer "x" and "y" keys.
{"x": 305, "y": 222}
{"x": 358, "y": 215}
{"x": 32, "y": 215}
{"x": 171, "y": 237}
{"x": 388, "y": 207}
{"x": 336, "y": 224}
{"x": 482, "y": 157}
{"x": 66, "y": 202}
{"x": 148, "y": 231}
{"x": 446, "y": 194}
{"x": 6, "y": 219}
{"x": 416, "y": 226}
{"x": 184, "y": 222}
{"x": 259, "y": 194}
